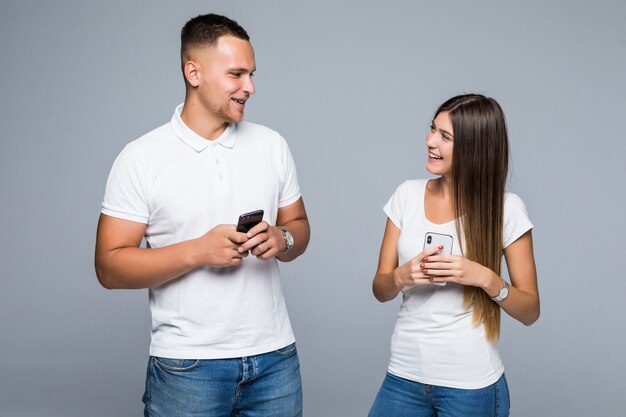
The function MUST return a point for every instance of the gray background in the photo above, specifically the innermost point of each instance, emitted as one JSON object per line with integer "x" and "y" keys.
{"x": 352, "y": 85}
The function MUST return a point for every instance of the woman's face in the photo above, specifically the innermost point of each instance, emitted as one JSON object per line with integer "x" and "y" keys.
{"x": 440, "y": 141}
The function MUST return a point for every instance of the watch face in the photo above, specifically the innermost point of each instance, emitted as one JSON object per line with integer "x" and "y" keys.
{"x": 504, "y": 292}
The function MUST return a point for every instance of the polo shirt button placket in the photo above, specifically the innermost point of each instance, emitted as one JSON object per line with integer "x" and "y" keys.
{"x": 222, "y": 181}
{"x": 217, "y": 168}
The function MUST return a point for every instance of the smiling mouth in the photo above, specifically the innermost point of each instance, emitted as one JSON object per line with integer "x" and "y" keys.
{"x": 242, "y": 102}
{"x": 433, "y": 156}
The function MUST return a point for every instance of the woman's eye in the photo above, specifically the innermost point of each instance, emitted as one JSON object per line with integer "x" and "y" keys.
{"x": 432, "y": 126}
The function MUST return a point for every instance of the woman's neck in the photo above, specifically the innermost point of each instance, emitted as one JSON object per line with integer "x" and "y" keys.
{"x": 438, "y": 201}
{"x": 441, "y": 188}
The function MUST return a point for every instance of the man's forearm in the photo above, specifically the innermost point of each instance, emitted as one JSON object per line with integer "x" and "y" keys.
{"x": 133, "y": 268}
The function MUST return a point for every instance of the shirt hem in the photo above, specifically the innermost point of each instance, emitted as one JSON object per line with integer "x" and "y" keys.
{"x": 485, "y": 382}
{"x": 527, "y": 226}
{"x": 289, "y": 201}
{"x": 205, "y": 354}
{"x": 124, "y": 216}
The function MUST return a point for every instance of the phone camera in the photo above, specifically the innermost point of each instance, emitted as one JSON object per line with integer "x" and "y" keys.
{"x": 429, "y": 239}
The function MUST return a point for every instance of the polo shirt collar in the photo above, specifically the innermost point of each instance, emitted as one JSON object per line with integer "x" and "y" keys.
{"x": 197, "y": 142}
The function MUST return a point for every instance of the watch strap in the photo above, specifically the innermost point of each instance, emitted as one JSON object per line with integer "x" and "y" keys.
{"x": 287, "y": 236}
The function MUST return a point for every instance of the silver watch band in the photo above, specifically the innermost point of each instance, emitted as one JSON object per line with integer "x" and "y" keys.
{"x": 287, "y": 236}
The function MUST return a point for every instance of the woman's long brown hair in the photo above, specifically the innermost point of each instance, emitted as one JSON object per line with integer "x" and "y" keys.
{"x": 480, "y": 161}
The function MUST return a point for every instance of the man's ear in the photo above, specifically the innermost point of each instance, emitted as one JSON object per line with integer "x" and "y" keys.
{"x": 191, "y": 71}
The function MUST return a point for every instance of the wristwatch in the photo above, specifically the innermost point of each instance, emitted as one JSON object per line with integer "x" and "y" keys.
{"x": 504, "y": 292}
{"x": 288, "y": 240}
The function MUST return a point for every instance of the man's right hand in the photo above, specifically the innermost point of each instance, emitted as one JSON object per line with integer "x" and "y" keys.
{"x": 218, "y": 247}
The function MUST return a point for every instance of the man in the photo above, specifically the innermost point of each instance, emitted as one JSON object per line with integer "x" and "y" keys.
{"x": 222, "y": 343}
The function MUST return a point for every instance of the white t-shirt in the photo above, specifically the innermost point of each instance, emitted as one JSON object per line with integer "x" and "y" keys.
{"x": 182, "y": 185}
{"x": 434, "y": 341}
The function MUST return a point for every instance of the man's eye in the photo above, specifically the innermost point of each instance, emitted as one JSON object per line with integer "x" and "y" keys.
{"x": 236, "y": 74}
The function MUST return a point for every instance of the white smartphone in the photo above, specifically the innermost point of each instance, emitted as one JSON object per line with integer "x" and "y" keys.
{"x": 433, "y": 240}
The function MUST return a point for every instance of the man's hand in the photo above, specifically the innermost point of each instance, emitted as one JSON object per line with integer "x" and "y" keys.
{"x": 219, "y": 246}
{"x": 264, "y": 241}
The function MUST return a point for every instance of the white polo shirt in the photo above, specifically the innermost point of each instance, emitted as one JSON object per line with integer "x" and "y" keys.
{"x": 181, "y": 185}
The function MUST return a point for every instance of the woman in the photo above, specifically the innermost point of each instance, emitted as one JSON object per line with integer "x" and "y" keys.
{"x": 444, "y": 360}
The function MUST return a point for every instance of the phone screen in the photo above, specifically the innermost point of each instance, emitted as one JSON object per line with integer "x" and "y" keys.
{"x": 248, "y": 220}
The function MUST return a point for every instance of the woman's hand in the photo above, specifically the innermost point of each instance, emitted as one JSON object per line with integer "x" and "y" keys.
{"x": 412, "y": 272}
{"x": 391, "y": 278}
{"x": 454, "y": 268}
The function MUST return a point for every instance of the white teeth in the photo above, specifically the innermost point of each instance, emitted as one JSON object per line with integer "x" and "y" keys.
{"x": 435, "y": 156}
{"x": 239, "y": 101}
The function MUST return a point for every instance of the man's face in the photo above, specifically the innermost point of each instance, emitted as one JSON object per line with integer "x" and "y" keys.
{"x": 225, "y": 77}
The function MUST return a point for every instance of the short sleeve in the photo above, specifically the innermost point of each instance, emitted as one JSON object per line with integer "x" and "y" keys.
{"x": 290, "y": 190}
{"x": 516, "y": 221}
{"x": 125, "y": 195}
{"x": 394, "y": 208}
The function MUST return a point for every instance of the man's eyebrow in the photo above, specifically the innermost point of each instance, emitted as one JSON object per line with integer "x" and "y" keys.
{"x": 242, "y": 69}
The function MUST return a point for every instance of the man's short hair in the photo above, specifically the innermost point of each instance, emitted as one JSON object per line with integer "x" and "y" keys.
{"x": 205, "y": 30}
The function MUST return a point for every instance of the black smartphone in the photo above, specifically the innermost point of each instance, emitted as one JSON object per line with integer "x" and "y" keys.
{"x": 248, "y": 220}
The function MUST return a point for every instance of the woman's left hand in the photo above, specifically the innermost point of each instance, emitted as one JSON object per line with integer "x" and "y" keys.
{"x": 454, "y": 268}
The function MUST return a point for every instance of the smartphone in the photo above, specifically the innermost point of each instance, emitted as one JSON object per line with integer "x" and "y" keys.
{"x": 432, "y": 240}
{"x": 248, "y": 220}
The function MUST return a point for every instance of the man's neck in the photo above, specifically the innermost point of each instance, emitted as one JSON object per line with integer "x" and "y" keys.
{"x": 202, "y": 122}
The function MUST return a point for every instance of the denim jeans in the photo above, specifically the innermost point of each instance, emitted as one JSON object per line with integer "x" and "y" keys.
{"x": 399, "y": 397}
{"x": 266, "y": 385}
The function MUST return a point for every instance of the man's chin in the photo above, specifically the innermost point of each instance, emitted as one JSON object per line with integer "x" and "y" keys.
{"x": 236, "y": 118}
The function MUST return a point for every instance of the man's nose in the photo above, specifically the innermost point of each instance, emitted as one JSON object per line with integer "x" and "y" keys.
{"x": 249, "y": 86}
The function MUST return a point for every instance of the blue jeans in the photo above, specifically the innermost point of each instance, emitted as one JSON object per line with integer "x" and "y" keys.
{"x": 266, "y": 385}
{"x": 399, "y": 397}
